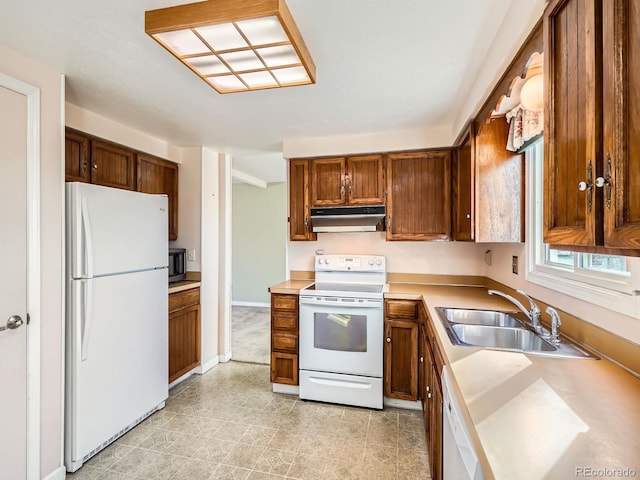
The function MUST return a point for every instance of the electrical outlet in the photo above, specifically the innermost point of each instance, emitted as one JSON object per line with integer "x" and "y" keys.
{"x": 191, "y": 254}
{"x": 514, "y": 264}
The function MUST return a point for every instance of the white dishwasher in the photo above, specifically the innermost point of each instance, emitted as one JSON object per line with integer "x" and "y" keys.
{"x": 458, "y": 455}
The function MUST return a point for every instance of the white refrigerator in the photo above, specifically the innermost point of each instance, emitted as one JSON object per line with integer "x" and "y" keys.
{"x": 117, "y": 315}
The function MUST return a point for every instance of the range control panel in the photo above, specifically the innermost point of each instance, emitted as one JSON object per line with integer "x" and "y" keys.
{"x": 354, "y": 263}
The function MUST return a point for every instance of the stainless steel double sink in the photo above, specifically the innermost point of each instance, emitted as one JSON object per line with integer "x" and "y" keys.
{"x": 499, "y": 330}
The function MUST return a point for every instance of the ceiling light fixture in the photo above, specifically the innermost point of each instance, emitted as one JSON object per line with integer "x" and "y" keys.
{"x": 235, "y": 46}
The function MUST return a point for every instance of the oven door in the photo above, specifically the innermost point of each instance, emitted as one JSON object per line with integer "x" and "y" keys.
{"x": 341, "y": 335}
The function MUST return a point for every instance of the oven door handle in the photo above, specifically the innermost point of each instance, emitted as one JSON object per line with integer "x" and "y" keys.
{"x": 343, "y": 302}
{"x": 340, "y": 383}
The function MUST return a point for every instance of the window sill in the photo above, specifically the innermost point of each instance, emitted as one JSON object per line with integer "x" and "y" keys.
{"x": 625, "y": 303}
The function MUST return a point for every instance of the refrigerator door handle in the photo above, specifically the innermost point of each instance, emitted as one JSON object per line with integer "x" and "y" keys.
{"x": 86, "y": 318}
{"x": 88, "y": 240}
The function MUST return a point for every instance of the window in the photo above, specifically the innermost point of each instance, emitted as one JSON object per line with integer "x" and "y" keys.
{"x": 610, "y": 281}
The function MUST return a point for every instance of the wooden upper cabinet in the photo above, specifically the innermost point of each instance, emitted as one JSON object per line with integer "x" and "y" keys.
{"x": 621, "y": 107}
{"x": 592, "y": 145}
{"x": 356, "y": 180}
{"x": 419, "y": 195}
{"x": 299, "y": 209}
{"x": 462, "y": 185}
{"x": 156, "y": 175}
{"x": 328, "y": 182}
{"x": 572, "y": 139}
{"x": 365, "y": 180}
{"x": 112, "y": 165}
{"x": 498, "y": 185}
{"x": 76, "y": 157}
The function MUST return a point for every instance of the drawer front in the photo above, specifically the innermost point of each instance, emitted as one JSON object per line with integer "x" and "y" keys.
{"x": 184, "y": 299}
{"x": 404, "y": 309}
{"x": 284, "y": 302}
{"x": 284, "y": 342}
{"x": 284, "y": 321}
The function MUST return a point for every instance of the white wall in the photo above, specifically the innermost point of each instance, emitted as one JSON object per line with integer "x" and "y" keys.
{"x": 190, "y": 204}
{"x": 450, "y": 258}
{"x": 368, "y": 143}
{"x": 94, "y": 124}
{"x": 259, "y": 240}
{"x": 52, "y": 221}
{"x": 209, "y": 221}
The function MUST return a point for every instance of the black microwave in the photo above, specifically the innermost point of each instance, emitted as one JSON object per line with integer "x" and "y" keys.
{"x": 177, "y": 264}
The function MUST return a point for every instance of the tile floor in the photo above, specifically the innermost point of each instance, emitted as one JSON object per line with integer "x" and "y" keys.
{"x": 228, "y": 424}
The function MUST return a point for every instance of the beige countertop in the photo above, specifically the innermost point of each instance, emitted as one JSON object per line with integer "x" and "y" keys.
{"x": 290, "y": 286}
{"x": 537, "y": 417}
{"x": 184, "y": 285}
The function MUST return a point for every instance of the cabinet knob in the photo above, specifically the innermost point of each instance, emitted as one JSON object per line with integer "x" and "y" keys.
{"x": 468, "y": 215}
{"x": 584, "y": 186}
{"x": 421, "y": 359}
{"x": 429, "y": 395}
{"x": 428, "y": 388}
{"x": 388, "y": 339}
{"x": 95, "y": 166}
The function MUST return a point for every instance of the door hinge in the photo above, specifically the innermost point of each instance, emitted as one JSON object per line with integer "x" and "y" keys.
{"x": 28, "y": 319}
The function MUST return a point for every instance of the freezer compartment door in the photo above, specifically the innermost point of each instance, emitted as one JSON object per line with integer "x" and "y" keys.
{"x": 113, "y": 231}
{"x": 117, "y": 356}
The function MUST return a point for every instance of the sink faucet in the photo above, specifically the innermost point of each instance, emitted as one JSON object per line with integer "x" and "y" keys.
{"x": 555, "y": 323}
{"x": 533, "y": 313}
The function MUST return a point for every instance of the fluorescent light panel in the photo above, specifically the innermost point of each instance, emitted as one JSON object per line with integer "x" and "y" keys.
{"x": 233, "y": 48}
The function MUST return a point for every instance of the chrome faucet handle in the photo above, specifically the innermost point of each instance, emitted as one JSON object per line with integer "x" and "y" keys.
{"x": 534, "y": 307}
{"x": 555, "y": 323}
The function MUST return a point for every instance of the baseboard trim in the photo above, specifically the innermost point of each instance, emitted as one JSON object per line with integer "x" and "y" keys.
{"x": 182, "y": 378}
{"x": 288, "y": 389}
{"x": 59, "y": 473}
{"x": 225, "y": 357}
{"x": 406, "y": 404}
{"x": 205, "y": 367}
{"x": 249, "y": 304}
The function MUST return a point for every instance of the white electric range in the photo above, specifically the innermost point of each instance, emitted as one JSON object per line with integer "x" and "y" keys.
{"x": 341, "y": 331}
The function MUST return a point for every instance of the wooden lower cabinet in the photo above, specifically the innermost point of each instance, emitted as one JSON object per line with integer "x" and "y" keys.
{"x": 184, "y": 332}
{"x": 401, "y": 359}
{"x": 284, "y": 339}
{"x": 401, "y": 349}
{"x": 284, "y": 368}
{"x": 431, "y": 363}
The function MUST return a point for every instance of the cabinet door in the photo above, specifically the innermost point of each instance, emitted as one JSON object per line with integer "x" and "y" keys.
{"x": 401, "y": 359}
{"x": 462, "y": 182}
{"x": 572, "y": 131}
{"x": 419, "y": 196}
{"x": 328, "y": 182}
{"x": 621, "y": 79}
{"x": 365, "y": 180}
{"x": 112, "y": 166}
{"x": 184, "y": 341}
{"x": 156, "y": 175}
{"x": 299, "y": 221}
{"x": 499, "y": 185}
{"x": 284, "y": 368}
{"x": 435, "y": 426}
{"x": 76, "y": 157}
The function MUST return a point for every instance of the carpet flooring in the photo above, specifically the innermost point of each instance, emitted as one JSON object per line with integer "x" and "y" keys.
{"x": 250, "y": 334}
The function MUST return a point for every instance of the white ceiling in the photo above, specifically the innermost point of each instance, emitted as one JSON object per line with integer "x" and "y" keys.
{"x": 381, "y": 66}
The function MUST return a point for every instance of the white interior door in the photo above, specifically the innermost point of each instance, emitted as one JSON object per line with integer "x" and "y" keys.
{"x": 13, "y": 284}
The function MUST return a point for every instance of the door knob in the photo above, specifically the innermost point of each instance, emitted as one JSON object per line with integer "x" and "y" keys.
{"x": 14, "y": 321}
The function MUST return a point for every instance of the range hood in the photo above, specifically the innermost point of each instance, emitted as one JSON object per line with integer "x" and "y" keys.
{"x": 347, "y": 219}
